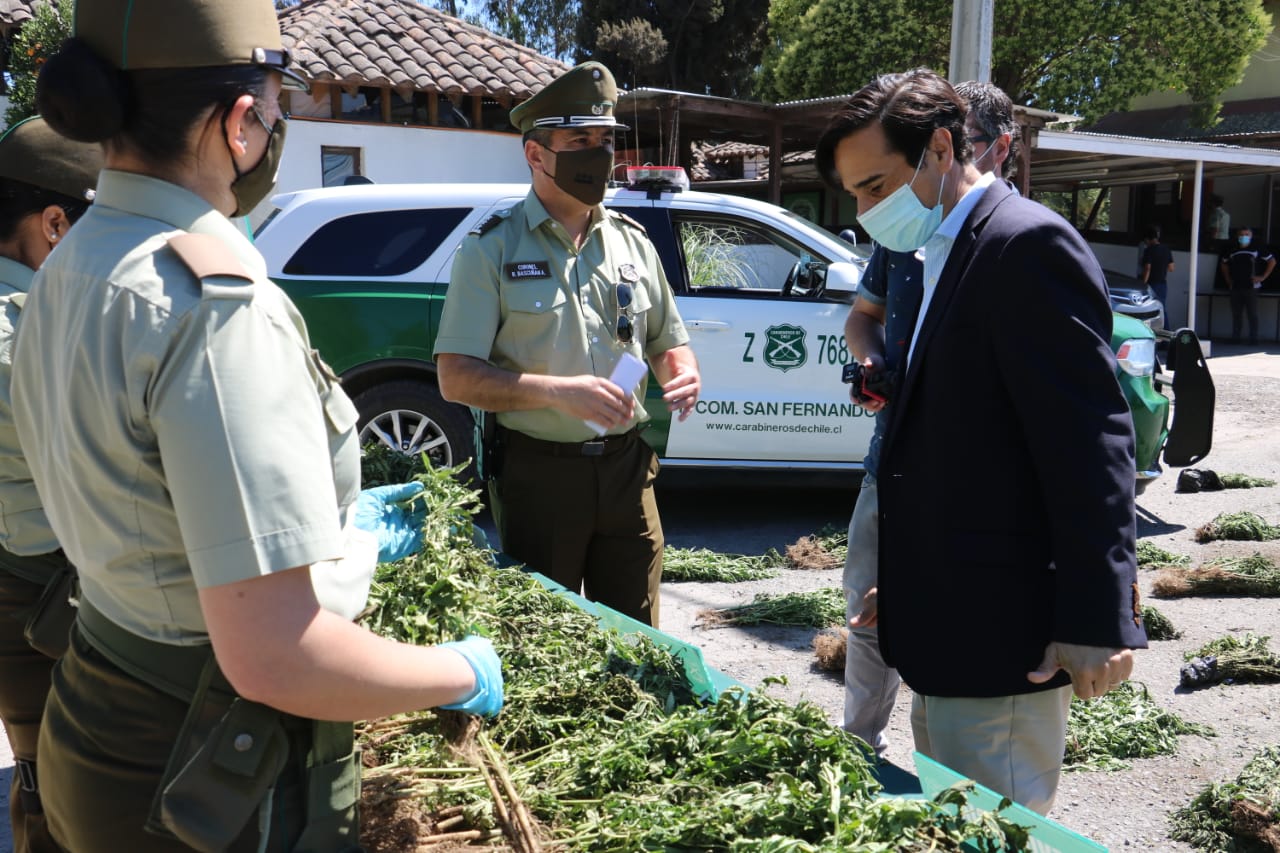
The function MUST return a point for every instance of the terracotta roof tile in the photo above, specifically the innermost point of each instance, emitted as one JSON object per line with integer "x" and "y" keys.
{"x": 16, "y": 11}
{"x": 406, "y": 44}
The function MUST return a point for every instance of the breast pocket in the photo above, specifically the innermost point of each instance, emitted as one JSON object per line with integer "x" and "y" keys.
{"x": 534, "y": 321}
{"x": 341, "y": 418}
{"x": 637, "y": 312}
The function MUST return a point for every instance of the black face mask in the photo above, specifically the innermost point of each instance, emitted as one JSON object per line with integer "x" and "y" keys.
{"x": 254, "y": 185}
{"x": 584, "y": 173}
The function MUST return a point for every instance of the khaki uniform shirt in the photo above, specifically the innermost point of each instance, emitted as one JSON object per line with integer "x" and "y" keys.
{"x": 182, "y": 431}
{"x": 524, "y": 299}
{"x": 24, "y": 528}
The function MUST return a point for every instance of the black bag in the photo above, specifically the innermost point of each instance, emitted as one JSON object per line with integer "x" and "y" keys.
{"x": 1196, "y": 480}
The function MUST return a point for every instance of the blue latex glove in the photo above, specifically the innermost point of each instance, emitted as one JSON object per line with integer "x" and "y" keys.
{"x": 486, "y": 699}
{"x": 399, "y": 531}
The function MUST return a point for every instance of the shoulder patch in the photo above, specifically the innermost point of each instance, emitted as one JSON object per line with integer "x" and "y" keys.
{"x": 491, "y": 222}
{"x": 627, "y": 219}
{"x": 207, "y": 257}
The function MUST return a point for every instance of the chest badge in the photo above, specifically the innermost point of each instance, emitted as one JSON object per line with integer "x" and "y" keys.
{"x": 627, "y": 272}
{"x": 521, "y": 270}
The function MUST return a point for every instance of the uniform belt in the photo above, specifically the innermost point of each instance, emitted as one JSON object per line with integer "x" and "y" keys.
{"x": 602, "y": 446}
{"x": 37, "y": 568}
{"x": 172, "y": 669}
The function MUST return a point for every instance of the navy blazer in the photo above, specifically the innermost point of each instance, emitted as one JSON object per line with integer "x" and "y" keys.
{"x": 1007, "y": 472}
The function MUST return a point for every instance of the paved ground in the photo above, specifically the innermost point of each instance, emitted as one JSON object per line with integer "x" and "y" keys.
{"x": 1226, "y": 360}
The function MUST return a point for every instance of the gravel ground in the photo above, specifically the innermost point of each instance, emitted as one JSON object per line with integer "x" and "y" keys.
{"x": 1121, "y": 810}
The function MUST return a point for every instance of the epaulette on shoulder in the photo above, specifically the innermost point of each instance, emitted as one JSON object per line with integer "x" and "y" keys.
{"x": 208, "y": 257}
{"x": 491, "y": 222}
{"x": 617, "y": 214}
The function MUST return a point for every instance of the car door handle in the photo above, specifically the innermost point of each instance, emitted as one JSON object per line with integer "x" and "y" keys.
{"x": 708, "y": 325}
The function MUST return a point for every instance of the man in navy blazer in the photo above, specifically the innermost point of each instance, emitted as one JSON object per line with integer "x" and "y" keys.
{"x": 1007, "y": 573}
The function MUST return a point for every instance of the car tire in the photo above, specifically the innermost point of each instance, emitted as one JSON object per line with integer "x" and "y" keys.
{"x": 411, "y": 417}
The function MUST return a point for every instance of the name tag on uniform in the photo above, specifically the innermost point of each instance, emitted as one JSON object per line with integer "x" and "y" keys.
{"x": 527, "y": 269}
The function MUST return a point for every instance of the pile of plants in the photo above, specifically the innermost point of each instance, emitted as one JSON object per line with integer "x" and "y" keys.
{"x": 701, "y": 564}
{"x": 825, "y": 549}
{"x": 1157, "y": 625}
{"x": 1255, "y": 576}
{"x": 1246, "y": 526}
{"x": 1244, "y": 481}
{"x": 1242, "y": 815}
{"x": 821, "y": 608}
{"x": 604, "y": 743}
{"x": 1151, "y": 556}
{"x": 1231, "y": 660}
{"x": 1123, "y": 723}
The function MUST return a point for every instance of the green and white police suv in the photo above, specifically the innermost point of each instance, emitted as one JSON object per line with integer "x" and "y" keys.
{"x": 764, "y": 294}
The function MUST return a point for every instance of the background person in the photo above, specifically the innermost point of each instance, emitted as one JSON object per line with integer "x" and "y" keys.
{"x": 544, "y": 300}
{"x": 991, "y": 128}
{"x": 1157, "y": 263}
{"x": 878, "y": 330}
{"x": 46, "y": 185}
{"x": 205, "y": 500}
{"x": 1244, "y": 267}
{"x": 1030, "y": 564}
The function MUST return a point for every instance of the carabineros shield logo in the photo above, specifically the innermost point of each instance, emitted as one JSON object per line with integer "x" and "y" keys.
{"x": 784, "y": 347}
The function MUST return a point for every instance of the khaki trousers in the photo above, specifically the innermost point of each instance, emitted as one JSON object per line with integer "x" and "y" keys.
{"x": 588, "y": 522}
{"x": 870, "y": 687}
{"x": 1011, "y": 744}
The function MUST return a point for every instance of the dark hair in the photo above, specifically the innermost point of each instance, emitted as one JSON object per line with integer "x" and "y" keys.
{"x": 992, "y": 111}
{"x": 540, "y": 135}
{"x": 18, "y": 200}
{"x": 1152, "y": 232}
{"x": 151, "y": 111}
{"x": 909, "y": 106}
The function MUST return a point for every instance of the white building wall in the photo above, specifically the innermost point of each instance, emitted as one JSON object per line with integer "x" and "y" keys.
{"x": 395, "y": 154}
{"x": 398, "y": 154}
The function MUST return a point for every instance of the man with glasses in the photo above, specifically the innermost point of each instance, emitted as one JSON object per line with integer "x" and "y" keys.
{"x": 544, "y": 301}
{"x": 991, "y": 128}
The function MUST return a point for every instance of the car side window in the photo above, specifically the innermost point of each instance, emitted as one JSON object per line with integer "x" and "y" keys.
{"x": 375, "y": 244}
{"x": 728, "y": 254}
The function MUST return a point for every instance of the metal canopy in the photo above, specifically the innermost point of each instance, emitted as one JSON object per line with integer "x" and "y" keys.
{"x": 665, "y": 121}
{"x": 1069, "y": 159}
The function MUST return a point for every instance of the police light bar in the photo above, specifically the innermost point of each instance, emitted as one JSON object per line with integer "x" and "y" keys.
{"x": 663, "y": 178}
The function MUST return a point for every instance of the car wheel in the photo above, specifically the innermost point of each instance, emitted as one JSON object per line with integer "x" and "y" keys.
{"x": 412, "y": 418}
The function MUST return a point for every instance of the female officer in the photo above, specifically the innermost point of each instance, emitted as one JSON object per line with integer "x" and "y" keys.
{"x": 46, "y": 184}
{"x": 198, "y": 462}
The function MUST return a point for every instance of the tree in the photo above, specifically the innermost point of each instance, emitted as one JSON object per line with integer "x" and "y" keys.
{"x": 1087, "y": 57}
{"x": 547, "y": 26}
{"x": 40, "y": 38}
{"x": 711, "y": 46}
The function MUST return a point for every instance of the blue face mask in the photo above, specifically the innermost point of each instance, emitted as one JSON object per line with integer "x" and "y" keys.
{"x": 900, "y": 222}
{"x": 1244, "y": 239}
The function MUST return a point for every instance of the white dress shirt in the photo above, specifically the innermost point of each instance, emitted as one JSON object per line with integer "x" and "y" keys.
{"x": 935, "y": 252}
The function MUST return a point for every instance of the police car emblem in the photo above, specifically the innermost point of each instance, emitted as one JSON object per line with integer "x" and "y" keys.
{"x": 784, "y": 347}
{"x": 627, "y": 272}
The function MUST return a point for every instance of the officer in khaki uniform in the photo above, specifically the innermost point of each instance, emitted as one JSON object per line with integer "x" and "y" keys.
{"x": 543, "y": 301}
{"x": 46, "y": 183}
{"x": 199, "y": 464}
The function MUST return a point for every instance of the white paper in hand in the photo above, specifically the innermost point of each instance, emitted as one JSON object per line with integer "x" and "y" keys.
{"x": 627, "y": 374}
